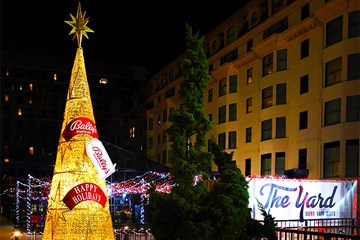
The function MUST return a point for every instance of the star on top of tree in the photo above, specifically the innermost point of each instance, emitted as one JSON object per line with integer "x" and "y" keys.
{"x": 78, "y": 24}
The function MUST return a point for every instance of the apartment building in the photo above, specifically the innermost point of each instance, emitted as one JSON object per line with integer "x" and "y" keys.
{"x": 284, "y": 92}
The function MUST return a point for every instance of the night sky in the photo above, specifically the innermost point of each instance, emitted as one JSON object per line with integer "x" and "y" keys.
{"x": 140, "y": 32}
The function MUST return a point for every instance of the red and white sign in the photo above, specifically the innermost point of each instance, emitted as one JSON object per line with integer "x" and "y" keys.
{"x": 84, "y": 192}
{"x": 80, "y": 125}
{"x": 100, "y": 158}
{"x": 300, "y": 199}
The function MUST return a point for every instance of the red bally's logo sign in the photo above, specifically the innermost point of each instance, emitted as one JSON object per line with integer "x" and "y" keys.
{"x": 84, "y": 192}
{"x": 81, "y": 125}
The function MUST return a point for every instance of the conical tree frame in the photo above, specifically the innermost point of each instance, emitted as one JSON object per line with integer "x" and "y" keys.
{"x": 74, "y": 171}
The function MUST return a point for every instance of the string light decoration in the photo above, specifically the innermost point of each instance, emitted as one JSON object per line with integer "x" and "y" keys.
{"x": 78, "y": 206}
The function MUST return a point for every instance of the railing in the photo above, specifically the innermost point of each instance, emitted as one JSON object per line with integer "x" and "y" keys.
{"x": 292, "y": 234}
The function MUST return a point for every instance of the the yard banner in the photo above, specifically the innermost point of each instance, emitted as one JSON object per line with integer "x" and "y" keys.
{"x": 300, "y": 199}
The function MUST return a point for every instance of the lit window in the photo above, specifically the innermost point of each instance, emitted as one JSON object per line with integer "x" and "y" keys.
{"x": 19, "y": 112}
{"x": 7, "y": 72}
{"x": 31, "y": 150}
{"x": 6, "y": 160}
{"x": 30, "y": 100}
{"x": 267, "y": 64}
{"x": 132, "y": 132}
{"x": 55, "y": 77}
{"x": 103, "y": 81}
{"x": 31, "y": 87}
{"x": 6, "y": 97}
{"x": 20, "y": 87}
{"x": 249, "y": 75}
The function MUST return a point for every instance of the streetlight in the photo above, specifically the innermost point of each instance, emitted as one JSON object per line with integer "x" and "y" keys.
{"x": 16, "y": 235}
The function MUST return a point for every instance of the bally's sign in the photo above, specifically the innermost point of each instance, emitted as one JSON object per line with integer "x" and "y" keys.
{"x": 100, "y": 158}
{"x": 296, "y": 199}
{"x": 80, "y": 125}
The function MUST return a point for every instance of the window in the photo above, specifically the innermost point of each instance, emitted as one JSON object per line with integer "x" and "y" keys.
{"x": 6, "y": 98}
{"x": 229, "y": 57}
{"x": 248, "y": 134}
{"x": 280, "y": 127}
{"x": 19, "y": 112}
{"x": 352, "y": 158}
{"x": 164, "y": 159}
{"x": 267, "y": 64}
{"x": 164, "y": 137}
{"x": 132, "y": 132}
{"x": 151, "y": 143}
{"x": 304, "y": 84}
{"x": 266, "y": 130}
{"x": 332, "y": 159}
{"x": 248, "y": 167}
{"x": 210, "y": 117}
{"x": 221, "y": 140}
{"x": 353, "y": 66}
{"x": 276, "y": 6}
{"x": 165, "y": 117}
{"x": 31, "y": 150}
{"x": 158, "y": 137}
{"x": 232, "y": 112}
{"x": 169, "y": 93}
{"x": 267, "y": 95}
{"x": 334, "y": 31}
{"x": 304, "y": 49}
{"x": 231, "y": 36}
{"x": 222, "y": 87}
{"x": 333, "y": 72}
{"x": 266, "y": 164}
{"x": 232, "y": 140}
{"x": 280, "y": 93}
{"x": 332, "y": 112}
{"x": 254, "y": 19}
{"x": 353, "y": 108}
{"x": 282, "y": 60}
{"x": 280, "y": 163}
{"x": 302, "y": 158}
{"x": 276, "y": 28}
{"x": 354, "y": 24}
{"x": 249, "y": 105}
{"x": 222, "y": 114}
{"x": 233, "y": 84}
{"x": 303, "y": 120}
{"x": 210, "y": 95}
{"x": 249, "y": 76}
{"x": 305, "y": 12}
{"x": 249, "y": 45}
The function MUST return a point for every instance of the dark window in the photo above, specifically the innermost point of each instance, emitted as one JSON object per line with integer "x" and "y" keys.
{"x": 249, "y": 105}
{"x": 233, "y": 84}
{"x": 231, "y": 36}
{"x": 280, "y": 163}
{"x": 229, "y": 57}
{"x": 248, "y": 167}
{"x": 353, "y": 66}
{"x": 280, "y": 127}
{"x": 276, "y": 28}
{"x": 333, "y": 72}
{"x": 276, "y": 6}
{"x": 249, "y": 45}
{"x": 169, "y": 93}
{"x": 266, "y": 130}
{"x": 267, "y": 95}
{"x": 248, "y": 134}
{"x": 332, "y": 159}
{"x": 280, "y": 93}
{"x": 159, "y": 139}
{"x": 305, "y": 11}
{"x": 303, "y": 120}
{"x": 332, "y": 112}
{"x": 304, "y": 51}
{"x": 164, "y": 160}
{"x": 151, "y": 124}
{"x": 334, "y": 31}
{"x": 232, "y": 140}
{"x": 210, "y": 95}
{"x": 222, "y": 87}
{"x": 164, "y": 137}
{"x": 151, "y": 143}
{"x": 222, "y": 114}
{"x": 266, "y": 164}
{"x": 282, "y": 59}
{"x": 249, "y": 76}
{"x": 267, "y": 64}
{"x": 232, "y": 112}
{"x": 221, "y": 140}
{"x": 303, "y": 158}
{"x": 304, "y": 84}
{"x": 165, "y": 115}
{"x": 353, "y": 108}
{"x": 354, "y": 24}
{"x": 352, "y": 158}
{"x": 210, "y": 117}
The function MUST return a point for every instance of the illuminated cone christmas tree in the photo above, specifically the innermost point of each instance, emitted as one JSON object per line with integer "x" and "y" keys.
{"x": 78, "y": 206}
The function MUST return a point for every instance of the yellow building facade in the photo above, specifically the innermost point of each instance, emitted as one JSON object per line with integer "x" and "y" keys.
{"x": 284, "y": 91}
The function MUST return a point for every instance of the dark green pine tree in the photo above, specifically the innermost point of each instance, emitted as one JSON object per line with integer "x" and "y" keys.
{"x": 229, "y": 199}
{"x": 179, "y": 215}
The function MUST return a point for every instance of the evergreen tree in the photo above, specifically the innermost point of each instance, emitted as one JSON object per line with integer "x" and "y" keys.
{"x": 179, "y": 215}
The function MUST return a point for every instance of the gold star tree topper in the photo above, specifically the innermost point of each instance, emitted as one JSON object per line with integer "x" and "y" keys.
{"x": 78, "y": 24}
